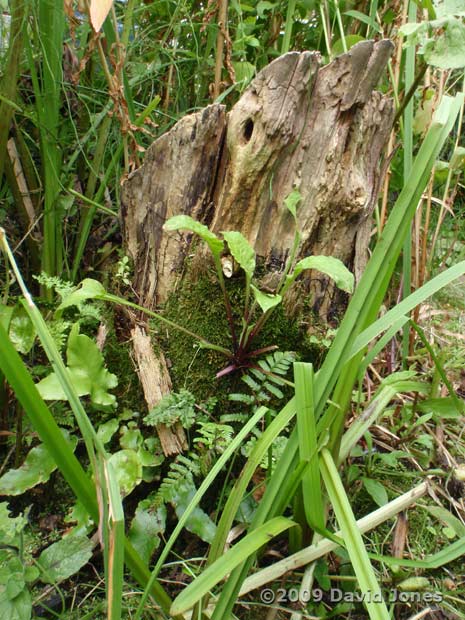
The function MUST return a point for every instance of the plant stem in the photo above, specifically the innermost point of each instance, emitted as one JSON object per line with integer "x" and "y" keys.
{"x": 10, "y": 74}
{"x": 222, "y": 24}
{"x": 408, "y": 159}
{"x": 288, "y": 27}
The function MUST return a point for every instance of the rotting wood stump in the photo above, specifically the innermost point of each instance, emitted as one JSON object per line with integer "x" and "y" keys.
{"x": 321, "y": 131}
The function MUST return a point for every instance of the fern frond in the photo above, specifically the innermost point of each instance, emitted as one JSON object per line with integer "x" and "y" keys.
{"x": 242, "y": 398}
{"x": 181, "y": 472}
{"x": 174, "y": 407}
{"x": 264, "y": 381}
{"x": 213, "y": 436}
{"x": 241, "y": 418}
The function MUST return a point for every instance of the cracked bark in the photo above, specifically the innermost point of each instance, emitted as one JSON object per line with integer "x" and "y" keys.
{"x": 297, "y": 126}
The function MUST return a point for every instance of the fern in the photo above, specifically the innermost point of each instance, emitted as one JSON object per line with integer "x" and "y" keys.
{"x": 229, "y": 418}
{"x": 181, "y": 473}
{"x": 173, "y": 408}
{"x": 213, "y": 436}
{"x": 62, "y": 287}
{"x": 277, "y": 448}
{"x": 265, "y": 382}
{"x": 89, "y": 311}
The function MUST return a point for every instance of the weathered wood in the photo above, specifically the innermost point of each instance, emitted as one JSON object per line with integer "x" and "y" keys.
{"x": 178, "y": 176}
{"x": 321, "y": 131}
{"x": 297, "y": 126}
{"x": 156, "y": 383}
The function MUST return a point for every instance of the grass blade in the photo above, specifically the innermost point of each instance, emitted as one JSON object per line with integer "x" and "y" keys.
{"x": 223, "y": 566}
{"x": 216, "y": 469}
{"x": 323, "y": 547}
{"x": 395, "y": 315}
{"x": 308, "y": 448}
{"x": 367, "y": 582}
{"x": 373, "y": 411}
{"x": 235, "y": 497}
{"x": 115, "y": 551}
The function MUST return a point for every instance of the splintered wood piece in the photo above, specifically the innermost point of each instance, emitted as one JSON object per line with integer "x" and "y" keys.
{"x": 156, "y": 383}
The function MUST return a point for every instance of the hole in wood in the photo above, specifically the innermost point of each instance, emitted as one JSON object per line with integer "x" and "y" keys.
{"x": 248, "y": 129}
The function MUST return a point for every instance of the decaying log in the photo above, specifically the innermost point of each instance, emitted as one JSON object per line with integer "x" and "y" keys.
{"x": 321, "y": 131}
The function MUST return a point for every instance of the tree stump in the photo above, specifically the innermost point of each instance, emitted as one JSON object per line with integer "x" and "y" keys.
{"x": 321, "y": 131}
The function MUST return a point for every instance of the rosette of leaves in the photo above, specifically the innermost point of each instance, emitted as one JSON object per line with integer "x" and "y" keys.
{"x": 257, "y": 302}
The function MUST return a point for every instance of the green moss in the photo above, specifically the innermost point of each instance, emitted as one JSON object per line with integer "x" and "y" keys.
{"x": 117, "y": 350}
{"x": 199, "y": 306}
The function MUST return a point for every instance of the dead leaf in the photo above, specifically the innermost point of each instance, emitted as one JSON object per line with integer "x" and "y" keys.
{"x": 98, "y": 11}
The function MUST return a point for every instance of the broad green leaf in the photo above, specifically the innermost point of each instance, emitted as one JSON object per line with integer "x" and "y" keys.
{"x": 264, "y": 6}
{"x": 291, "y": 202}
{"x": 18, "y": 608}
{"x": 146, "y": 526}
{"x": 350, "y": 40}
{"x": 22, "y": 332}
{"x": 88, "y": 289}
{"x": 11, "y": 574}
{"x": 444, "y": 8}
{"x": 185, "y": 222}
{"x": 442, "y": 514}
{"x": 376, "y": 490}
{"x": 131, "y": 438}
{"x": 265, "y": 300}
{"x": 241, "y": 251}
{"x": 86, "y": 371}
{"x": 5, "y": 316}
{"x": 244, "y": 70}
{"x": 31, "y": 573}
{"x": 36, "y": 469}
{"x": 447, "y": 50}
{"x": 45, "y": 425}
{"x": 445, "y": 408}
{"x": 412, "y": 28}
{"x": 330, "y": 266}
{"x": 10, "y": 527}
{"x": 106, "y": 430}
{"x": 225, "y": 564}
{"x": 198, "y": 522}
{"x": 65, "y": 557}
{"x": 128, "y": 470}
